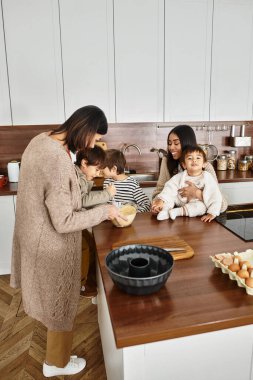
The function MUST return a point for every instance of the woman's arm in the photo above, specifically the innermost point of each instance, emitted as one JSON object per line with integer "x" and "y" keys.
{"x": 164, "y": 176}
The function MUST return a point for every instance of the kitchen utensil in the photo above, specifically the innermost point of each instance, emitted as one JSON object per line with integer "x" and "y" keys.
{"x": 210, "y": 150}
{"x": 174, "y": 249}
{"x": 158, "y": 264}
{"x": 165, "y": 242}
{"x": 13, "y": 171}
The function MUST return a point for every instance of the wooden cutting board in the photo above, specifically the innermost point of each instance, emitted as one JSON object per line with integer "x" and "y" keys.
{"x": 162, "y": 242}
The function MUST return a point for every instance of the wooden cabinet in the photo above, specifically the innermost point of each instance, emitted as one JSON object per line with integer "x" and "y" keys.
{"x": 232, "y": 60}
{"x": 34, "y": 61}
{"x": 88, "y": 56}
{"x": 188, "y": 33}
{"x": 139, "y": 39}
{"x": 6, "y": 232}
{"x": 5, "y": 110}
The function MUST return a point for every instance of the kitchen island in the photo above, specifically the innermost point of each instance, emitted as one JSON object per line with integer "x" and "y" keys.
{"x": 198, "y": 326}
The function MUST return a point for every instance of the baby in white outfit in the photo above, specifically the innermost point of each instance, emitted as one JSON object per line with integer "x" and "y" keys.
{"x": 193, "y": 160}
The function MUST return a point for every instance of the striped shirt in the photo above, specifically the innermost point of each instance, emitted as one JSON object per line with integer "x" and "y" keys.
{"x": 129, "y": 190}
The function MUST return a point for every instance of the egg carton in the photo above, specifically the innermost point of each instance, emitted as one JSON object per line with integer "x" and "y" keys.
{"x": 247, "y": 256}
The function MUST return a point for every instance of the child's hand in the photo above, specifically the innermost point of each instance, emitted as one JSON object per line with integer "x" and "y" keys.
{"x": 112, "y": 190}
{"x": 157, "y": 206}
{"x": 207, "y": 218}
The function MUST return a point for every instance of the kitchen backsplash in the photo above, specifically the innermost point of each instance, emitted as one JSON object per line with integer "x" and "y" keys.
{"x": 14, "y": 139}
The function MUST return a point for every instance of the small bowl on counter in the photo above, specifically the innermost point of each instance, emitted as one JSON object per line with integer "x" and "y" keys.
{"x": 128, "y": 210}
{"x": 139, "y": 269}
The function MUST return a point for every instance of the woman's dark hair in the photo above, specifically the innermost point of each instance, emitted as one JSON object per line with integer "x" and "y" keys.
{"x": 94, "y": 156}
{"x": 82, "y": 126}
{"x": 114, "y": 157}
{"x": 186, "y": 136}
{"x": 190, "y": 149}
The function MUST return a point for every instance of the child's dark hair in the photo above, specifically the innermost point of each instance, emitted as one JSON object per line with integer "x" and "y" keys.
{"x": 190, "y": 149}
{"x": 114, "y": 157}
{"x": 94, "y": 156}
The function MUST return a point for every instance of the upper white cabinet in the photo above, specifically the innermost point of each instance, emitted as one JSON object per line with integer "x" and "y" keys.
{"x": 88, "y": 56}
{"x": 232, "y": 60}
{"x": 5, "y": 109}
{"x": 188, "y": 37}
{"x": 139, "y": 43}
{"x": 34, "y": 60}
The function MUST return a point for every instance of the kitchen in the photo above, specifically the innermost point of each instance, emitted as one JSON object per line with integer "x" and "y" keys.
{"x": 148, "y": 64}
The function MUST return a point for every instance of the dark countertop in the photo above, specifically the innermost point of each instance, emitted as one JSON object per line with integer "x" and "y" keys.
{"x": 197, "y": 297}
{"x": 223, "y": 177}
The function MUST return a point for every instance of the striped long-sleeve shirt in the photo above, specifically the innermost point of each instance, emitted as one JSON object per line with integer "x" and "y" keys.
{"x": 129, "y": 190}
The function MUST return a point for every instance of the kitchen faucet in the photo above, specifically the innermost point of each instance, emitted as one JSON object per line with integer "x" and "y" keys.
{"x": 124, "y": 149}
{"x": 126, "y": 146}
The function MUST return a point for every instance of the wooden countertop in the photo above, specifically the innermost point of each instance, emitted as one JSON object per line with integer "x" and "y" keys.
{"x": 223, "y": 177}
{"x": 197, "y": 297}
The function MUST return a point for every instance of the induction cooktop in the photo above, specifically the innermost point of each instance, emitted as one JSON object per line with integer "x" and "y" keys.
{"x": 240, "y": 222}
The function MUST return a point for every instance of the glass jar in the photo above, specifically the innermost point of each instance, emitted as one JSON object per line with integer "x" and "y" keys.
{"x": 243, "y": 165}
{"x": 222, "y": 162}
{"x": 231, "y": 159}
{"x": 249, "y": 159}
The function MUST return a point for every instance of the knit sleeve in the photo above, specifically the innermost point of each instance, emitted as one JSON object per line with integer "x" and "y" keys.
{"x": 210, "y": 169}
{"x": 61, "y": 191}
{"x": 164, "y": 176}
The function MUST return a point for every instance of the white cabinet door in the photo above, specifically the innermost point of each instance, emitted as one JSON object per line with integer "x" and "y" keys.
{"x": 188, "y": 33}
{"x": 34, "y": 61}
{"x": 6, "y": 232}
{"x": 139, "y": 40}
{"x": 237, "y": 192}
{"x": 5, "y": 109}
{"x": 88, "y": 57}
{"x": 232, "y": 60}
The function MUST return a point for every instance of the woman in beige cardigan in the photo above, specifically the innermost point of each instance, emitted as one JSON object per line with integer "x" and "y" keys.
{"x": 46, "y": 257}
{"x": 178, "y": 138}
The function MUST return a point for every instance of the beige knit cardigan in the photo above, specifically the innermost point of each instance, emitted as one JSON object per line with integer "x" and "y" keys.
{"x": 46, "y": 257}
{"x": 164, "y": 176}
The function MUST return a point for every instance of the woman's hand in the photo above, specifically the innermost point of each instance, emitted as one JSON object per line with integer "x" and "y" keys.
{"x": 114, "y": 213}
{"x": 190, "y": 192}
{"x": 207, "y": 218}
{"x": 157, "y": 206}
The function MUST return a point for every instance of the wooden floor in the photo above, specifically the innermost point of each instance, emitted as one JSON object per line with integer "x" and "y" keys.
{"x": 23, "y": 340}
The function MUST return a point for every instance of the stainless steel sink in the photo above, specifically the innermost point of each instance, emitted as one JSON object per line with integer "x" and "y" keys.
{"x": 145, "y": 177}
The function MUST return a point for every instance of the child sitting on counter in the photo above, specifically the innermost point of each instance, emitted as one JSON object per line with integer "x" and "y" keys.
{"x": 128, "y": 189}
{"x": 193, "y": 160}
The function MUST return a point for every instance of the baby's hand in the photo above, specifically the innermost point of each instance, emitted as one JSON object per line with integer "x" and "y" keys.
{"x": 112, "y": 190}
{"x": 207, "y": 218}
{"x": 157, "y": 206}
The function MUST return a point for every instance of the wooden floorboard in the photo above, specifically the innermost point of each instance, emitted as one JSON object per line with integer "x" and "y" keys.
{"x": 23, "y": 340}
